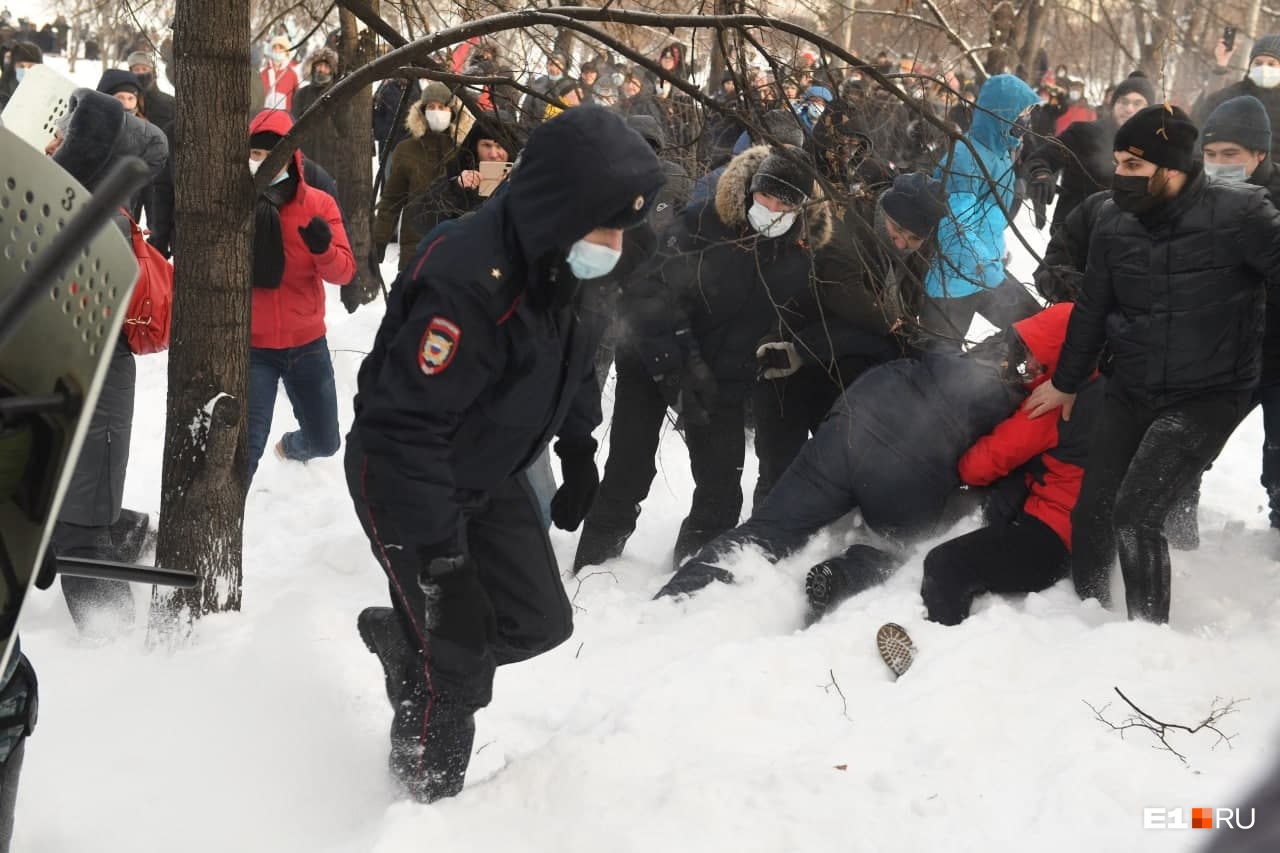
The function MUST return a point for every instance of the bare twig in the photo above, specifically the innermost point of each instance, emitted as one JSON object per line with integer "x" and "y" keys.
{"x": 835, "y": 685}
{"x": 581, "y": 579}
{"x": 1218, "y": 709}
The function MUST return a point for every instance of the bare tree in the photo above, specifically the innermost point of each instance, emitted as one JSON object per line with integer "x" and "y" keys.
{"x": 205, "y": 453}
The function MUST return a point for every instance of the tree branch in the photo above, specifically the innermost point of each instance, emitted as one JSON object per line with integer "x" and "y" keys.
{"x": 1161, "y": 729}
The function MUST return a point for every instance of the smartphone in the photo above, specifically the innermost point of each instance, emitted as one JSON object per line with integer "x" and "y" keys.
{"x": 491, "y": 174}
{"x": 1229, "y": 37}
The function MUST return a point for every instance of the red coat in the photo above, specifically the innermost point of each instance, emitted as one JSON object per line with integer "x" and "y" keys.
{"x": 293, "y": 314}
{"x": 286, "y": 84}
{"x": 1073, "y": 114}
{"x": 1061, "y": 446}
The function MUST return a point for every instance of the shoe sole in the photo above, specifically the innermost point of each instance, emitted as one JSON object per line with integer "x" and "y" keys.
{"x": 896, "y": 649}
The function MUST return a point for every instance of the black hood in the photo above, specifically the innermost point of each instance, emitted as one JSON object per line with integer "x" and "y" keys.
{"x": 487, "y": 126}
{"x": 99, "y": 132}
{"x": 581, "y": 169}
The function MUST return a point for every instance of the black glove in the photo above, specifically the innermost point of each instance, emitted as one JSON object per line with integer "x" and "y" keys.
{"x": 697, "y": 392}
{"x": 379, "y": 252}
{"x": 316, "y": 235}
{"x": 573, "y": 499}
{"x": 457, "y": 606}
{"x": 691, "y": 577}
{"x": 1040, "y": 188}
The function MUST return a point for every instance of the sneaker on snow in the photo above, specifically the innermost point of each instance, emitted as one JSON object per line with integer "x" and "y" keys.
{"x": 382, "y": 634}
{"x": 895, "y": 647}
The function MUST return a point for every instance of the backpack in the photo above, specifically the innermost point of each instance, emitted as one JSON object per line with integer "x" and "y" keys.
{"x": 150, "y": 312}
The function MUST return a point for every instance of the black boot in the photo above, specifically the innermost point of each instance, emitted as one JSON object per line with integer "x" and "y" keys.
{"x": 604, "y": 534}
{"x": 131, "y": 535}
{"x": 431, "y": 740}
{"x": 101, "y": 609}
{"x": 833, "y": 581}
{"x": 383, "y": 635}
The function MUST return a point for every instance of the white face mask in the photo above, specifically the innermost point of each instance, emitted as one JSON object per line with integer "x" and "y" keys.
{"x": 279, "y": 57}
{"x": 1266, "y": 76}
{"x": 768, "y": 223}
{"x": 437, "y": 120}
{"x": 1226, "y": 171}
{"x": 253, "y": 166}
{"x": 591, "y": 260}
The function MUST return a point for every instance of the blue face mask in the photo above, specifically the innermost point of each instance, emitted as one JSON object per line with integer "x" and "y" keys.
{"x": 591, "y": 260}
{"x": 19, "y": 73}
{"x": 1226, "y": 172}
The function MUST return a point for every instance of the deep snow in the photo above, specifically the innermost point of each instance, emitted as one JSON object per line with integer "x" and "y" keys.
{"x": 706, "y": 724}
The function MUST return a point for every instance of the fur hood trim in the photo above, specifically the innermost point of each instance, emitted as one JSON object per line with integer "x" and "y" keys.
{"x": 732, "y": 195}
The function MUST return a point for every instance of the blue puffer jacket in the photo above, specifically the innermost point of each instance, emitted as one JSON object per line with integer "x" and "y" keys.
{"x": 971, "y": 239}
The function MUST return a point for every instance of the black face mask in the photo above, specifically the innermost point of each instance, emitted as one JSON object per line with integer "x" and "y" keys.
{"x": 146, "y": 80}
{"x": 1132, "y": 194}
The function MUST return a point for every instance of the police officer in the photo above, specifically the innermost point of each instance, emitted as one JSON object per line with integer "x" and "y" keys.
{"x": 482, "y": 358}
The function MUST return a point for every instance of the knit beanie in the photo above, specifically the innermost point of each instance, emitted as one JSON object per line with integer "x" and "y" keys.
{"x": 1265, "y": 46}
{"x": 25, "y": 51}
{"x": 1131, "y": 84}
{"x": 784, "y": 178}
{"x": 1242, "y": 120}
{"x": 917, "y": 202}
{"x": 1162, "y": 135}
{"x": 436, "y": 91}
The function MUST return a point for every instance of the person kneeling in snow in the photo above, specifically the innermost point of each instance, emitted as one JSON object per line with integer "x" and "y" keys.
{"x": 1037, "y": 466}
{"x": 889, "y": 448}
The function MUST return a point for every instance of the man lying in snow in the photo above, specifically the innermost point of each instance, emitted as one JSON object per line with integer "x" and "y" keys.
{"x": 890, "y": 448}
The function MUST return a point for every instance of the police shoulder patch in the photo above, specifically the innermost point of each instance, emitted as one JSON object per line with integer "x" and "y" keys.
{"x": 438, "y": 346}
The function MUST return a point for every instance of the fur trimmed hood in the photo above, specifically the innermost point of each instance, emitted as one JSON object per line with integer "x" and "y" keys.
{"x": 732, "y": 194}
{"x": 324, "y": 54}
{"x": 416, "y": 123}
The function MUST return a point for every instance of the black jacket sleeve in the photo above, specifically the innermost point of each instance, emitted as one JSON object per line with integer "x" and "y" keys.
{"x": 1087, "y": 330}
{"x": 1059, "y": 276}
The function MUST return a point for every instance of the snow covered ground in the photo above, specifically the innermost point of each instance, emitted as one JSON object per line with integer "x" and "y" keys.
{"x": 703, "y": 725}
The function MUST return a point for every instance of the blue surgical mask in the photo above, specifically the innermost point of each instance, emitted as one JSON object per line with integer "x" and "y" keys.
{"x": 280, "y": 177}
{"x": 19, "y": 73}
{"x": 591, "y": 260}
{"x": 1226, "y": 171}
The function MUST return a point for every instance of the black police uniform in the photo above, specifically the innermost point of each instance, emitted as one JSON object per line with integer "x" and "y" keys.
{"x": 481, "y": 359}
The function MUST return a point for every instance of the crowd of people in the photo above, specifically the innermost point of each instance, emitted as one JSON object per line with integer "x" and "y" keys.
{"x": 800, "y": 256}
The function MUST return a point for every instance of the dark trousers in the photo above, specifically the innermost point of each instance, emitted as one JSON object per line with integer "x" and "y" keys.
{"x": 10, "y": 772}
{"x": 506, "y": 604}
{"x": 1024, "y": 555}
{"x": 716, "y": 454}
{"x": 950, "y": 317}
{"x": 788, "y": 411}
{"x": 307, "y": 374}
{"x": 1141, "y": 460}
{"x": 1268, "y": 396}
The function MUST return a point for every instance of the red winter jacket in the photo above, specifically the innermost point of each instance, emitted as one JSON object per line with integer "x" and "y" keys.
{"x": 1061, "y": 446}
{"x": 286, "y": 86}
{"x": 293, "y": 314}
{"x": 1073, "y": 114}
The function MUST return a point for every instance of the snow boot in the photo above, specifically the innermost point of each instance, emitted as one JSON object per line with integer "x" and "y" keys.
{"x": 601, "y": 542}
{"x": 833, "y": 581}
{"x": 101, "y": 609}
{"x": 896, "y": 648}
{"x": 131, "y": 535}
{"x": 383, "y": 635}
{"x": 431, "y": 740}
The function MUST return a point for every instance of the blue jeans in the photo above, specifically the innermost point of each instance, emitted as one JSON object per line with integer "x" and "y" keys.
{"x": 308, "y": 380}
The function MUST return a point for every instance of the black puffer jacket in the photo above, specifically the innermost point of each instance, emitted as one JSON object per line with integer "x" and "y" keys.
{"x": 1082, "y": 154}
{"x": 1267, "y": 176}
{"x": 1061, "y": 271}
{"x": 719, "y": 280}
{"x": 1178, "y": 296}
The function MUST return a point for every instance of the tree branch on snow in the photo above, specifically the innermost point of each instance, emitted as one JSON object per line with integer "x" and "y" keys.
{"x": 581, "y": 580}
{"x": 835, "y": 685}
{"x": 1140, "y": 719}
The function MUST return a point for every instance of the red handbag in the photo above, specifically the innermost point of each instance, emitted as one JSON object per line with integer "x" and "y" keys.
{"x": 150, "y": 312}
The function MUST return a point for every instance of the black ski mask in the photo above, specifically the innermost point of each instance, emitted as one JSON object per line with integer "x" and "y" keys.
{"x": 1132, "y": 193}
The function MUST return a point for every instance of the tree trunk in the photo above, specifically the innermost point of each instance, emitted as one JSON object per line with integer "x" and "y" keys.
{"x": 353, "y": 169}
{"x": 205, "y": 448}
{"x": 1036, "y": 13}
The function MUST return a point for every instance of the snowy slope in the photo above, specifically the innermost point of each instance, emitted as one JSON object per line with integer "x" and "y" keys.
{"x": 694, "y": 726}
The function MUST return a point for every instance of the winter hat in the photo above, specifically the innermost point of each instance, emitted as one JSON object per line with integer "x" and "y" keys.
{"x": 264, "y": 140}
{"x": 1265, "y": 46}
{"x": 784, "y": 178}
{"x": 436, "y": 91}
{"x": 1162, "y": 135}
{"x": 781, "y": 125}
{"x": 648, "y": 127}
{"x": 25, "y": 51}
{"x": 917, "y": 202}
{"x": 818, "y": 92}
{"x": 118, "y": 80}
{"x": 1242, "y": 120}
{"x": 564, "y": 87}
{"x": 1134, "y": 83}
{"x": 95, "y": 122}
{"x": 281, "y": 42}
{"x": 139, "y": 57}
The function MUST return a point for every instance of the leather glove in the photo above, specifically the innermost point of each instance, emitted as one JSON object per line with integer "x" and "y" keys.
{"x": 691, "y": 577}
{"x": 1040, "y": 189}
{"x": 778, "y": 359}
{"x": 316, "y": 235}
{"x": 697, "y": 392}
{"x": 379, "y": 252}
{"x": 573, "y": 499}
